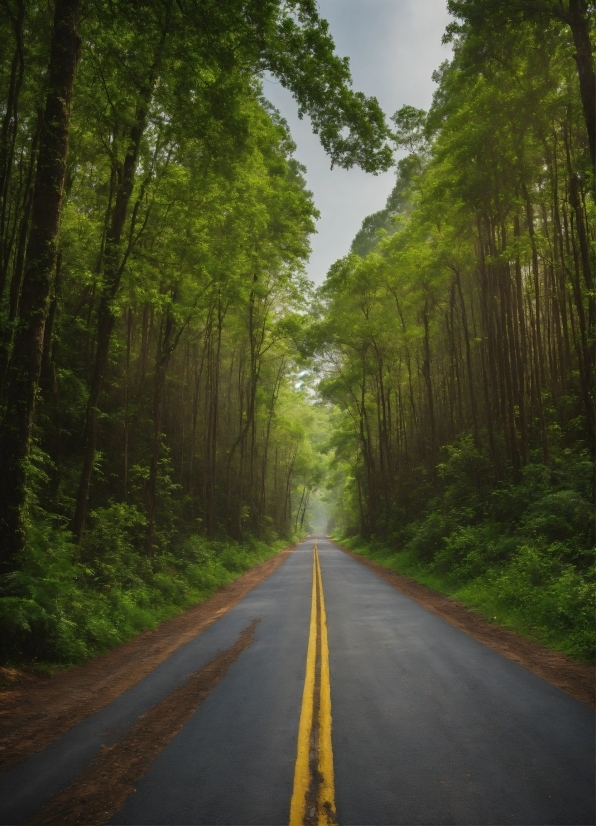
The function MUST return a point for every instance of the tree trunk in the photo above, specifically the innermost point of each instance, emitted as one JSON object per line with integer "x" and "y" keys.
{"x": 429, "y": 389}
{"x": 464, "y": 318}
{"x": 114, "y": 262}
{"x": 8, "y": 135}
{"x": 578, "y": 23}
{"x": 19, "y": 257}
{"x": 23, "y": 374}
{"x": 164, "y": 351}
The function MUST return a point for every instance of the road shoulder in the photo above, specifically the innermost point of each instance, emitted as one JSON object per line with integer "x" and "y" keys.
{"x": 574, "y": 678}
{"x": 36, "y": 711}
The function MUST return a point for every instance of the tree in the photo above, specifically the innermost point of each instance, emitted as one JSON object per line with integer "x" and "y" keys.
{"x": 39, "y": 274}
{"x": 469, "y": 317}
{"x": 141, "y": 68}
{"x": 489, "y": 19}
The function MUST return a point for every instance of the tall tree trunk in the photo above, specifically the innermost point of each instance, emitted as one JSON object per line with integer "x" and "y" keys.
{"x": 304, "y": 509}
{"x": 523, "y": 347}
{"x": 114, "y": 262}
{"x": 212, "y": 429}
{"x": 464, "y": 319}
{"x": 19, "y": 257}
{"x": 127, "y": 403}
{"x": 299, "y": 508}
{"x": 577, "y": 20}
{"x": 426, "y": 372}
{"x": 164, "y": 351}
{"x": 265, "y": 459}
{"x": 8, "y": 135}
{"x": 23, "y": 374}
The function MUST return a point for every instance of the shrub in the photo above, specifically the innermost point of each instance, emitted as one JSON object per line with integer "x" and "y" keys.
{"x": 59, "y": 609}
{"x": 522, "y": 553}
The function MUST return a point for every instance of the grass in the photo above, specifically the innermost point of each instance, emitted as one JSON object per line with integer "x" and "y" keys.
{"x": 532, "y": 592}
{"x": 521, "y": 552}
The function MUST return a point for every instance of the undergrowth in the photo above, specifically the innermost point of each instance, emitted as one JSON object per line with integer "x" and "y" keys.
{"x": 66, "y": 604}
{"x": 522, "y": 554}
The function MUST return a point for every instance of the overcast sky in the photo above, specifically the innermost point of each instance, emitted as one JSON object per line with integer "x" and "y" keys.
{"x": 393, "y": 46}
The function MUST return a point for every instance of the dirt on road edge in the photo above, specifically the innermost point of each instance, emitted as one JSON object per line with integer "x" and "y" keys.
{"x": 36, "y": 711}
{"x": 100, "y": 792}
{"x": 553, "y": 666}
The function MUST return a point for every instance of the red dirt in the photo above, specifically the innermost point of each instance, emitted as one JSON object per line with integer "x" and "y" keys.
{"x": 558, "y": 669}
{"x": 100, "y": 792}
{"x": 35, "y": 711}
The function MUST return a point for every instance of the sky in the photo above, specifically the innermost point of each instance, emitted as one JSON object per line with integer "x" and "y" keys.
{"x": 393, "y": 46}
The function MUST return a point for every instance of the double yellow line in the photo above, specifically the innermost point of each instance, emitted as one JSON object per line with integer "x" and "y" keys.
{"x": 313, "y": 798}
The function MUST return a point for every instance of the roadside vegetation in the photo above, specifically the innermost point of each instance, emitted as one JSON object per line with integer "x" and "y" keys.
{"x": 154, "y": 224}
{"x": 456, "y": 342}
{"x": 521, "y": 554}
{"x": 70, "y": 602}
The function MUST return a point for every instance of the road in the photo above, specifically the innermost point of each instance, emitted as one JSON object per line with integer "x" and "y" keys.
{"x": 414, "y": 721}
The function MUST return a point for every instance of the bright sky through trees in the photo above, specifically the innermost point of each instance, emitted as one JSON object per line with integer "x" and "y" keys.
{"x": 393, "y": 46}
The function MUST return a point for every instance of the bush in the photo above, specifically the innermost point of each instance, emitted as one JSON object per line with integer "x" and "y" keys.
{"x": 522, "y": 554}
{"x": 539, "y": 594}
{"x": 428, "y": 536}
{"x": 469, "y": 550}
{"x": 64, "y": 604}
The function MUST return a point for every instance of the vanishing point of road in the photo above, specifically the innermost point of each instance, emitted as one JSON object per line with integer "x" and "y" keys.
{"x": 347, "y": 703}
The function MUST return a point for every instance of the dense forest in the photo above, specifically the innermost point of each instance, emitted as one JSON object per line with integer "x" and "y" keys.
{"x": 458, "y": 335}
{"x": 173, "y": 391}
{"x": 153, "y": 232}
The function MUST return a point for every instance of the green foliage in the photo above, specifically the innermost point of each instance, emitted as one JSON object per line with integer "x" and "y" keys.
{"x": 60, "y": 608}
{"x": 522, "y": 554}
{"x": 165, "y": 398}
{"x": 410, "y": 125}
{"x": 464, "y": 427}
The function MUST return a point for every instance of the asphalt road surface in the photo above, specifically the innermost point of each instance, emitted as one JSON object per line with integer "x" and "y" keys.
{"x": 429, "y": 726}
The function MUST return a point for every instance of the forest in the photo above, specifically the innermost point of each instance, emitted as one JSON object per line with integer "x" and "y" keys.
{"x": 175, "y": 394}
{"x": 457, "y": 337}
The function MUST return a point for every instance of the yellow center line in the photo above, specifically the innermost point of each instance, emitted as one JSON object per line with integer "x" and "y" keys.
{"x": 313, "y": 797}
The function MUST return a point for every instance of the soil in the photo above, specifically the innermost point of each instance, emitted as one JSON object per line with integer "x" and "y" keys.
{"x": 572, "y": 677}
{"x": 100, "y": 792}
{"x": 35, "y": 711}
